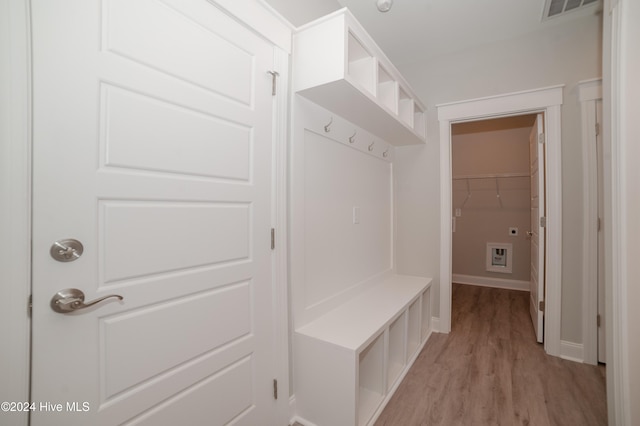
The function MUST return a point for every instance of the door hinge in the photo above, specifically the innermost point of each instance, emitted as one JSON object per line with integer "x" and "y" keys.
{"x": 274, "y": 76}
{"x": 599, "y": 225}
{"x": 30, "y": 305}
{"x": 598, "y": 320}
{"x": 597, "y": 129}
{"x": 543, "y": 222}
{"x": 541, "y": 138}
{"x": 273, "y": 239}
{"x": 541, "y": 305}
{"x": 275, "y": 389}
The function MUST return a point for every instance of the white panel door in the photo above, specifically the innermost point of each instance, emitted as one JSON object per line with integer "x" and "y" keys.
{"x": 152, "y": 146}
{"x": 537, "y": 233}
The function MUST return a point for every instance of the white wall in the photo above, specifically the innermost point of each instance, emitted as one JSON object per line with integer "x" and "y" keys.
{"x": 560, "y": 55}
{"x": 622, "y": 208}
{"x": 630, "y": 153}
{"x": 629, "y": 137}
{"x": 332, "y": 258}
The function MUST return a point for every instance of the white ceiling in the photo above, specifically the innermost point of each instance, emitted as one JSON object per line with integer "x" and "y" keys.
{"x": 418, "y": 30}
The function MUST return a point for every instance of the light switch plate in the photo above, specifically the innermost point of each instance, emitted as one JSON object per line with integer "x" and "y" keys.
{"x": 356, "y": 215}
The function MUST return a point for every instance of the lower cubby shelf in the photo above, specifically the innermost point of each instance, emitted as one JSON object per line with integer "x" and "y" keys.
{"x": 352, "y": 358}
{"x": 414, "y": 336}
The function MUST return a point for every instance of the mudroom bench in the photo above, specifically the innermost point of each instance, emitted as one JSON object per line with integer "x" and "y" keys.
{"x": 351, "y": 360}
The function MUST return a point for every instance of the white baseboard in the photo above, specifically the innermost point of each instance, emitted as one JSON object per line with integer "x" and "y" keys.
{"x": 292, "y": 409}
{"x": 293, "y": 417}
{"x": 491, "y": 282}
{"x": 301, "y": 421}
{"x": 571, "y": 351}
{"x": 435, "y": 324}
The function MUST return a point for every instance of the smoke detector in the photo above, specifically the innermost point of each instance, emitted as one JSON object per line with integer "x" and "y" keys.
{"x": 553, "y": 8}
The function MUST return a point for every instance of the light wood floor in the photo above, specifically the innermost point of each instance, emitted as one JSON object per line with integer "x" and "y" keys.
{"x": 490, "y": 371}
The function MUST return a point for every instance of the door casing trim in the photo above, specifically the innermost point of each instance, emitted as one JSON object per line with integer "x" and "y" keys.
{"x": 589, "y": 92}
{"x": 15, "y": 198}
{"x": 549, "y": 101}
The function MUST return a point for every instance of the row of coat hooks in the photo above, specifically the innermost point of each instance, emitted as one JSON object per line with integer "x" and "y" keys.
{"x": 352, "y": 138}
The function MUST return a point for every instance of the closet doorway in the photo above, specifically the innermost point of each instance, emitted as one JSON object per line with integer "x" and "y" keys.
{"x": 497, "y": 199}
{"x": 548, "y": 101}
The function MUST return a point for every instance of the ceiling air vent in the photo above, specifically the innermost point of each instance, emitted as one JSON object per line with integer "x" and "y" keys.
{"x": 553, "y": 8}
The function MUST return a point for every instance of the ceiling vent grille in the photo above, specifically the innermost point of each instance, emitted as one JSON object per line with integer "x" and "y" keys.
{"x": 553, "y": 8}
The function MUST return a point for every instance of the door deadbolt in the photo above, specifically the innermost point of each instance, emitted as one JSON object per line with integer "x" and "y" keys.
{"x": 66, "y": 250}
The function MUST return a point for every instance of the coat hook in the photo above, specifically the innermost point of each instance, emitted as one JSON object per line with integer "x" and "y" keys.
{"x": 371, "y": 146}
{"x": 327, "y": 128}
{"x": 352, "y": 138}
{"x": 385, "y": 153}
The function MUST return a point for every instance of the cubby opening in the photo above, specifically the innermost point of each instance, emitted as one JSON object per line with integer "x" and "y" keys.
{"x": 360, "y": 64}
{"x": 413, "y": 328}
{"x": 426, "y": 313}
{"x": 405, "y": 108}
{"x": 396, "y": 359}
{"x": 387, "y": 90}
{"x": 419, "y": 121}
{"x": 371, "y": 384}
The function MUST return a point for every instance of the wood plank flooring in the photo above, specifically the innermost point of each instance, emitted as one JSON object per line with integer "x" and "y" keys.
{"x": 490, "y": 371}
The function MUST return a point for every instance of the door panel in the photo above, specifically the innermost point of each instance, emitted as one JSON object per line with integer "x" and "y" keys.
{"x": 161, "y": 127}
{"x": 537, "y": 171}
{"x": 152, "y": 146}
{"x": 138, "y": 31}
{"x": 152, "y": 232}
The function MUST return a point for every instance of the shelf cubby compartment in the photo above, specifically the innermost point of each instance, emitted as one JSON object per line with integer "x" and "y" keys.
{"x": 360, "y": 64}
{"x": 370, "y": 379}
{"x": 413, "y": 328}
{"x": 419, "y": 121}
{"x": 337, "y": 65}
{"x": 387, "y": 90}
{"x": 396, "y": 359}
{"x": 426, "y": 315}
{"x": 405, "y": 107}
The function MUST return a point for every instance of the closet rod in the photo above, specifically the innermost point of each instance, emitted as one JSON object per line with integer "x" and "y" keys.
{"x": 493, "y": 176}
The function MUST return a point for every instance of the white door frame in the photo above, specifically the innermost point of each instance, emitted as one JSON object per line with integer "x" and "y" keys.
{"x": 15, "y": 194}
{"x": 15, "y": 198}
{"x": 549, "y": 101}
{"x": 589, "y": 92}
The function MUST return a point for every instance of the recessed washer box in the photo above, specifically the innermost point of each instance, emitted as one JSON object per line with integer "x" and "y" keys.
{"x": 499, "y": 257}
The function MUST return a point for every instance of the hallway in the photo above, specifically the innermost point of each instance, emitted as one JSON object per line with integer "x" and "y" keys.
{"x": 490, "y": 371}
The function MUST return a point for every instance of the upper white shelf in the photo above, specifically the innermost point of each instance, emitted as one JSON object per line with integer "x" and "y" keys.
{"x": 337, "y": 65}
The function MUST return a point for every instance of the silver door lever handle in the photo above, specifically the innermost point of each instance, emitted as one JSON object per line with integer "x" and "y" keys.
{"x": 72, "y": 299}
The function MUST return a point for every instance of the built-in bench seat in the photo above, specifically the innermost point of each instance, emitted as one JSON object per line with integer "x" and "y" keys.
{"x": 349, "y": 361}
